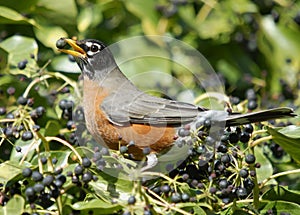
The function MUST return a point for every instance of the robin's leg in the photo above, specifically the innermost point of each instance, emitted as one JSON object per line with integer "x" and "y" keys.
{"x": 151, "y": 162}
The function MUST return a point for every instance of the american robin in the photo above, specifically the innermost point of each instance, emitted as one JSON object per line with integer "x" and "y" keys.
{"x": 117, "y": 113}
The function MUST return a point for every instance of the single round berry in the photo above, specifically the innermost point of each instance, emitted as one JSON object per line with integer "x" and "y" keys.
{"x": 252, "y": 104}
{"x": 40, "y": 111}
{"x": 250, "y": 94}
{"x": 212, "y": 190}
{"x": 54, "y": 160}
{"x": 8, "y": 132}
{"x": 165, "y": 188}
{"x": 207, "y": 123}
{"x": 250, "y": 159}
{"x": 222, "y": 148}
{"x": 71, "y": 125}
{"x": 225, "y": 158}
{"x": 43, "y": 160}
{"x": 62, "y": 104}
{"x": 11, "y": 91}
{"x": 61, "y": 43}
{"x": 181, "y": 132}
{"x": 248, "y": 128}
{"x": 78, "y": 170}
{"x": 69, "y": 105}
{"x": 18, "y": 149}
{"x": 131, "y": 200}
{"x": 175, "y": 198}
{"x": 26, "y": 172}
{"x": 233, "y": 138}
{"x": 241, "y": 193}
{"x": 123, "y": 149}
{"x": 58, "y": 183}
{"x": 244, "y": 137}
{"x": 226, "y": 200}
{"x": 36, "y": 176}
{"x": 248, "y": 184}
{"x": 185, "y": 177}
{"x": 22, "y": 64}
{"x": 58, "y": 170}
{"x": 201, "y": 149}
{"x": 223, "y": 183}
{"x": 10, "y": 116}
{"x": 244, "y": 173}
{"x": 27, "y": 135}
{"x": 29, "y": 192}
{"x": 185, "y": 197}
{"x": 2, "y": 111}
{"x": 87, "y": 177}
{"x": 38, "y": 187}
{"x": 86, "y": 162}
{"x": 146, "y": 150}
{"x": 22, "y": 100}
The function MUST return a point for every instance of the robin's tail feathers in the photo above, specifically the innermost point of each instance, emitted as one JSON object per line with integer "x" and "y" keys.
{"x": 260, "y": 116}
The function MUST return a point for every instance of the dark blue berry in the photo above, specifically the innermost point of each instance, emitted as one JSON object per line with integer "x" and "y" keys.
{"x": 250, "y": 159}
{"x": 26, "y": 172}
{"x": 27, "y": 135}
{"x": 131, "y": 200}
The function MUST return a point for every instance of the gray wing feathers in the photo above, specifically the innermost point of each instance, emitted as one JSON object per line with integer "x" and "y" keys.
{"x": 146, "y": 109}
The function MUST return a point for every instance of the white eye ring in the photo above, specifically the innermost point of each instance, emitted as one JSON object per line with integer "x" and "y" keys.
{"x": 93, "y": 48}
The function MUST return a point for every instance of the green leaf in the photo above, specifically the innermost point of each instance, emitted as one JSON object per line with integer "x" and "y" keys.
{"x": 52, "y": 32}
{"x": 10, "y": 16}
{"x": 289, "y": 139}
{"x": 89, "y": 17}
{"x": 279, "y": 207}
{"x": 63, "y": 64}
{"x": 52, "y": 128}
{"x": 282, "y": 193}
{"x": 56, "y": 11}
{"x": 19, "y": 48}
{"x": 27, "y": 149}
{"x": 148, "y": 16}
{"x": 266, "y": 169}
{"x": 279, "y": 42}
{"x": 97, "y": 205}
{"x": 3, "y": 61}
{"x": 15, "y": 205}
{"x": 8, "y": 170}
{"x": 61, "y": 156}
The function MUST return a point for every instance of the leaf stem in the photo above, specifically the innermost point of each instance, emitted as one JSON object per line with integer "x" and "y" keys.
{"x": 294, "y": 171}
{"x": 66, "y": 144}
{"x": 165, "y": 204}
{"x": 260, "y": 140}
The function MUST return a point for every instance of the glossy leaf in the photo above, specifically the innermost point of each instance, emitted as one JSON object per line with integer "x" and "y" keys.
{"x": 282, "y": 193}
{"x": 10, "y": 16}
{"x": 52, "y": 32}
{"x": 279, "y": 207}
{"x": 288, "y": 138}
{"x": 266, "y": 169}
{"x": 96, "y": 204}
{"x": 19, "y": 48}
{"x": 15, "y": 205}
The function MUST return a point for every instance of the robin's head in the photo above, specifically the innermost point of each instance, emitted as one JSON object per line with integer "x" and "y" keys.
{"x": 92, "y": 56}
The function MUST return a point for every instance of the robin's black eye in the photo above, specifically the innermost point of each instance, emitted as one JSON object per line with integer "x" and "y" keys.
{"x": 94, "y": 48}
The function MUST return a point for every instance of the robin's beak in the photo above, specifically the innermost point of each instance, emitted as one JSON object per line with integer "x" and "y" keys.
{"x": 77, "y": 52}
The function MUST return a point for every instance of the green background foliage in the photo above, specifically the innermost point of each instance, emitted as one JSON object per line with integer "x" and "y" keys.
{"x": 250, "y": 44}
